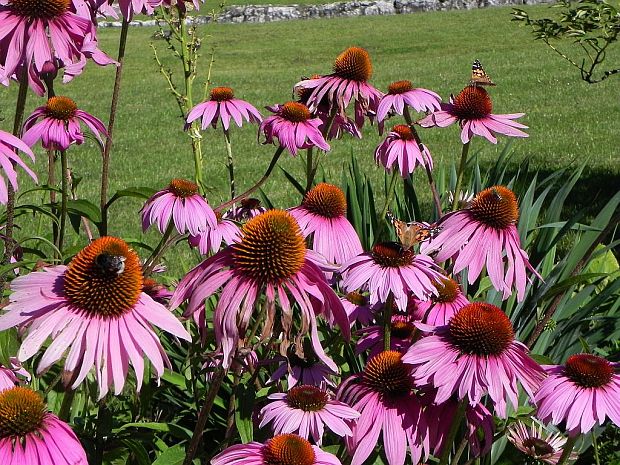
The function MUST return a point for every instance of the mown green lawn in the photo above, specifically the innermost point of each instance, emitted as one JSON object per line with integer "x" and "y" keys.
{"x": 570, "y": 121}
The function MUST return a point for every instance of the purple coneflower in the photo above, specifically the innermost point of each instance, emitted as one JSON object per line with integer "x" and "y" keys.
{"x": 9, "y": 145}
{"x": 485, "y": 232}
{"x": 156, "y": 291}
{"x": 581, "y": 393}
{"x": 441, "y": 307}
{"x": 475, "y": 354}
{"x": 383, "y": 394}
{"x": 358, "y": 308}
{"x": 181, "y": 203}
{"x": 271, "y": 258}
{"x": 247, "y": 209}
{"x": 223, "y": 106}
{"x": 347, "y": 83}
{"x": 472, "y": 109}
{"x": 9, "y": 377}
{"x": 284, "y": 449}
{"x": 401, "y": 93}
{"x": 537, "y": 443}
{"x": 306, "y": 370}
{"x": 390, "y": 269}
{"x": 45, "y": 31}
{"x": 402, "y": 334}
{"x": 210, "y": 240}
{"x": 294, "y": 127}
{"x": 306, "y": 410}
{"x": 401, "y": 150}
{"x": 96, "y": 309}
{"x": 322, "y": 214}
{"x": 60, "y": 125}
{"x": 30, "y": 435}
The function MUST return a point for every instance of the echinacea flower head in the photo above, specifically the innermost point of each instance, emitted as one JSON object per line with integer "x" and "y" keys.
{"x": 10, "y": 376}
{"x": 383, "y": 394}
{"x": 472, "y": 108}
{"x": 210, "y": 240}
{"x": 537, "y": 443}
{"x": 156, "y": 291}
{"x": 441, "y": 307}
{"x": 401, "y": 93}
{"x": 181, "y": 203}
{"x": 306, "y": 410}
{"x": 485, "y": 233}
{"x": 95, "y": 309}
{"x": 284, "y": 449}
{"x": 9, "y": 146}
{"x": 582, "y": 393}
{"x": 357, "y": 305}
{"x": 248, "y": 208}
{"x": 270, "y": 258}
{"x": 223, "y": 106}
{"x": 348, "y": 83}
{"x": 323, "y": 215}
{"x": 402, "y": 335}
{"x": 401, "y": 150}
{"x": 30, "y": 435}
{"x": 36, "y": 32}
{"x": 294, "y": 127}
{"x": 390, "y": 269}
{"x": 57, "y": 125}
{"x": 475, "y": 355}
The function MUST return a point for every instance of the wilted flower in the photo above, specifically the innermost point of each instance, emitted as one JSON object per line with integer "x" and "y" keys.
{"x": 308, "y": 370}
{"x": 537, "y": 443}
{"x": 357, "y": 306}
{"x": 9, "y": 376}
{"x": 402, "y": 334}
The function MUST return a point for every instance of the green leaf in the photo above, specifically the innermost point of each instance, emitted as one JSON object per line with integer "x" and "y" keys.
{"x": 9, "y": 345}
{"x": 175, "y": 430}
{"x": 84, "y": 208}
{"x": 172, "y": 456}
{"x": 140, "y": 455}
{"x": 246, "y": 396}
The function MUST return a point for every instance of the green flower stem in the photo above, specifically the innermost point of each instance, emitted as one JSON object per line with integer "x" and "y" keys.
{"x": 163, "y": 244}
{"x": 260, "y": 182}
{"x": 597, "y": 459}
{"x": 204, "y": 415}
{"x": 429, "y": 173}
{"x": 309, "y": 168}
{"x": 387, "y": 322}
{"x": 456, "y": 422}
{"x": 568, "y": 448}
{"x": 63, "y": 198}
{"x": 389, "y": 196}
{"x": 230, "y": 165}
{"x": 459, "y": 178}
{"x": 9, "y": 244}
{"x": 312, "y": 164}
{"x": 105, "y": 162}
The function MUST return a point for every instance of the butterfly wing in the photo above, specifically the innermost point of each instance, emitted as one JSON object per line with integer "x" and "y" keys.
{"x": 479, "y": 77}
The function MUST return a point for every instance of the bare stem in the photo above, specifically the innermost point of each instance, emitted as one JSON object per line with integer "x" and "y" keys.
{"x": 459, "y": 177}
{"x": 230, "y": 164}
{"x": 456, "y": 421}
{"x": 387, "y": 322}
{"x": 105, "y": 162}
{"x": 150, "y": 262}
{"x": 429, "y": 173}
{"x": 63, "y": 198}
{"x": 309, "y": 168}
{"x": 568, "y": 448}
{"x": 9, "y": 245}
{"x": 260, "y": 182}
{"x": 204, "y": 415}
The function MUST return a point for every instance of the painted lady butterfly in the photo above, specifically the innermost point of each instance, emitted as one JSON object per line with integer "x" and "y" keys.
{"x": 478, "y": 76}
{"x": 410, "y": 234}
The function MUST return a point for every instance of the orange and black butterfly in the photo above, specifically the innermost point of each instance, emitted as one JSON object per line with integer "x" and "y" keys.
{"x": 479, "y": 77}
{"x": 410, "y": 234}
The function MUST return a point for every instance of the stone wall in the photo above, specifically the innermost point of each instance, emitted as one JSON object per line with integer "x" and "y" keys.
{"x": 268, "y": 13}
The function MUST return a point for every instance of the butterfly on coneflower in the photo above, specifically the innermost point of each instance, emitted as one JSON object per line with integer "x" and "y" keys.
{"x": 479, "y": 77}
{"x": 412, "y": 233}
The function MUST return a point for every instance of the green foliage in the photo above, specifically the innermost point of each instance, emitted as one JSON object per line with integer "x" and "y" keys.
{"x": 593, "y": 25}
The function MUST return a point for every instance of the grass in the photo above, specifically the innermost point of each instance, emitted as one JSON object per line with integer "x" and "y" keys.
{"x": 570, "y": 121}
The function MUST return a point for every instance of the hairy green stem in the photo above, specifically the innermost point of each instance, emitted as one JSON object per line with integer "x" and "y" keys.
{"x": 230, "y": 164}
{"x": 105, "y": 156}
{"x": 459, "y": 177}
{"x": 387, "y": 322}
{"x": 163, "y": 244}
{"x": 9, "y": 245}
{"x": 309, "y": 168}
{"x": 597, "y": 459}
{"x": 204, "y": 415}
{"x": 260, "y": 182}
{"x": 64, "y": 195}
{"x": 65, "y": 407}
{"x": 429, "y": 173}
{"x": 456, "y": 422}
